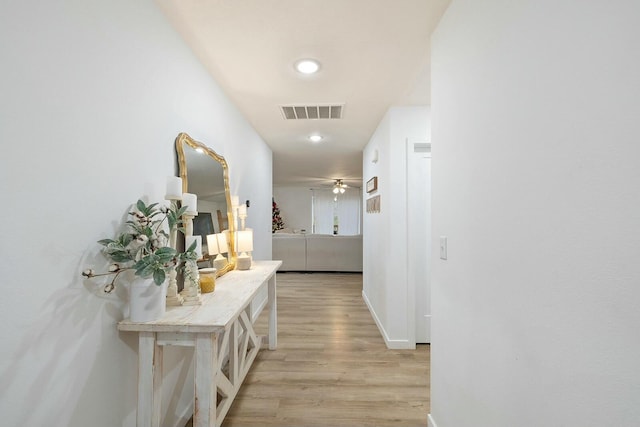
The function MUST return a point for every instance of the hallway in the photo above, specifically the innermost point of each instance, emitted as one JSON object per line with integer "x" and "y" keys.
{"x": 331, "y": 367}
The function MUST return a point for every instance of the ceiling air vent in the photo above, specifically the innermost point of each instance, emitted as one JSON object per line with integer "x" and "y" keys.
{"x": 312, "y": 112}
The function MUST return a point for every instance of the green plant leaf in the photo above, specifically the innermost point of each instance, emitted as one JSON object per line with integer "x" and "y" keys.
{"x": 141, "y": 206}
{"x": 120, "y": 256}
{"x": 165, "y": 254}
{"x": 171, "y": 219}
{"x": 105, "y": 242}
{"x": 126, "y": 239}
{"x": 188, "y": 255}
{"x": 159, "y": 276}
{"x": 181, "y": 211}
{"x": 166, "y": 251}
{"x": 145, "y": 267}
{"x": 154, "y": 213}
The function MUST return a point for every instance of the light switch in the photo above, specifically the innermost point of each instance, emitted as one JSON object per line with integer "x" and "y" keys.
{"x": 443, "y": 247}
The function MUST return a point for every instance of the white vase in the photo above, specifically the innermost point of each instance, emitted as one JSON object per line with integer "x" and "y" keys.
{"x": 147, "y": 301}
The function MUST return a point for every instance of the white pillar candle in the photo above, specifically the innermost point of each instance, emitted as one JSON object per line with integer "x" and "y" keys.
{"x": 242, "y": 210}
{"x": 198, "y": 239}
{"x": 235, "y": 201}
{"x": 191, "y": 202}
{"x": 174, "y": 188}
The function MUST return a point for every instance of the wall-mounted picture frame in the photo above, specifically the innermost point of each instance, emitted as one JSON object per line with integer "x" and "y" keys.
{"x": 373, "y": 204}
{"x": 372, "y": 184}
{"x": 203, "y": 225}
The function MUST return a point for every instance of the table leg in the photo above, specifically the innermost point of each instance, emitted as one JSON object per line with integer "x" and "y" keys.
{"x": 149, "y": 380}
{"x": 273, "y": 314}
{"x": 206, "y": 380}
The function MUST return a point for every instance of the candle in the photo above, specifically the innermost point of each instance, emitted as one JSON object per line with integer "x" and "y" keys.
{"x": 235, "y": 201}
{"x": 174, "y": 188}
{"x": 191, "y": 202}
{"x": 198, "y": 249}
{"x": 242, "y": 210}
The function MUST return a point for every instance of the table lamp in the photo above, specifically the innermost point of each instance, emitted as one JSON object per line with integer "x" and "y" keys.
{"x": 245, "y": 244}
{"x": 217, "y": 244}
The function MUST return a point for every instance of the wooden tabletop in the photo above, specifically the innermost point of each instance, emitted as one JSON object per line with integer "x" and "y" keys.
{"x": 233, "y": 292}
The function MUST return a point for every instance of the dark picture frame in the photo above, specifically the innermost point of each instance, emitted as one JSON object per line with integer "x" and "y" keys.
{"x": 203, "y": 226}
{"x": 372, "y": 184}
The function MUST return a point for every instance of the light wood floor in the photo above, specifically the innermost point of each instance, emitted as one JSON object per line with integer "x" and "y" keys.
{"x": 331, "y": 367}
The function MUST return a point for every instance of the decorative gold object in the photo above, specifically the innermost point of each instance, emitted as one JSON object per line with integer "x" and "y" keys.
{"x": 207, "y": 280}
{"x": 206, "y": 174}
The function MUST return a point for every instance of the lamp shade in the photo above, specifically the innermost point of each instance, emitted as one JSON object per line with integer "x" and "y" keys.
{"x": 212, "y": 244}
{"x": 223, "y": 245}
{"x": 245, "y": 240}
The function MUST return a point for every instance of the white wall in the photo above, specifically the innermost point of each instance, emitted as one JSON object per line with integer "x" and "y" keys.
{"x": 295, "y": 206}
{"x": 535, "y": 171}
{"x": 385, "y": 286}
{"x": 94, "y": 94}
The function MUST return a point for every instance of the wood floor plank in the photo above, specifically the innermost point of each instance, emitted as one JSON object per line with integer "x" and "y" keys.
{"x": 331, "y": 367}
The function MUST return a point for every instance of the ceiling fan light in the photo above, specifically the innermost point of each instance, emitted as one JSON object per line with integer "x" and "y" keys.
{"x": 336, "y": 190}
{"x": 341, "y": 190}
{"x": 307, "y": 66}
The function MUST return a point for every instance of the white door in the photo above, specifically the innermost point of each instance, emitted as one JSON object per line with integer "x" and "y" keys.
{"x": 419, "y": 234}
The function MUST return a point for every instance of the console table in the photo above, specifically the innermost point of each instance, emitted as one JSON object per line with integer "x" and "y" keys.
{"x": 221, "y": 330}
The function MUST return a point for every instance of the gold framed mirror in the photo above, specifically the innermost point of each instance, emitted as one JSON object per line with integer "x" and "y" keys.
{"x": 205, "y": 173}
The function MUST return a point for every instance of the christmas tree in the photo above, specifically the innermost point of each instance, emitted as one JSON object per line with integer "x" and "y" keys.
{"x": 277, "y": 223}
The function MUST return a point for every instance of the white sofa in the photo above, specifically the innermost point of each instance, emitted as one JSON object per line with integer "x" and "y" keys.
{"x": 318, "y": 252}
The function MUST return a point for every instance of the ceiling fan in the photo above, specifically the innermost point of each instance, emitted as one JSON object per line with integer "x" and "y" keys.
{"x": 339, "y": 187}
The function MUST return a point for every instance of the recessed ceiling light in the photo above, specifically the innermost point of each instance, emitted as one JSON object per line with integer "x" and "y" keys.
{"x": 307, "y": 66}
{"x": 315, "y": 138}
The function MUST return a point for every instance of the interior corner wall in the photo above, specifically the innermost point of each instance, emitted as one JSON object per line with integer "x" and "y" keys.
{"x": 94, "y": 95}
{"x": 385, "y": 283}
{"x": 295, "y": 206}
{"x": 535, "y": 184}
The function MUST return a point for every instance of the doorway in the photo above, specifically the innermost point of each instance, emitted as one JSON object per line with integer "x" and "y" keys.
{"x": 419, "y": 235}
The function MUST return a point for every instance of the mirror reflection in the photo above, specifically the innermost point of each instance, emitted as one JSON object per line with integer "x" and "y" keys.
{"x": 205, "y": 174}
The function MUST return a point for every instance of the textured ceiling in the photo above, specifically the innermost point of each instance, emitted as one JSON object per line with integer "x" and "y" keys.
{"x": 373, "y": 53}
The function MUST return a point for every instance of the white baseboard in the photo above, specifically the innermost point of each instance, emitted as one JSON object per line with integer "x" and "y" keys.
{"x": 430, "y": 421}
{"x": 391, "y": 344}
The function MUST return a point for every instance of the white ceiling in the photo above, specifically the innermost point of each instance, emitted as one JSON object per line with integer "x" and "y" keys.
{"x": 373, "y": 53}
